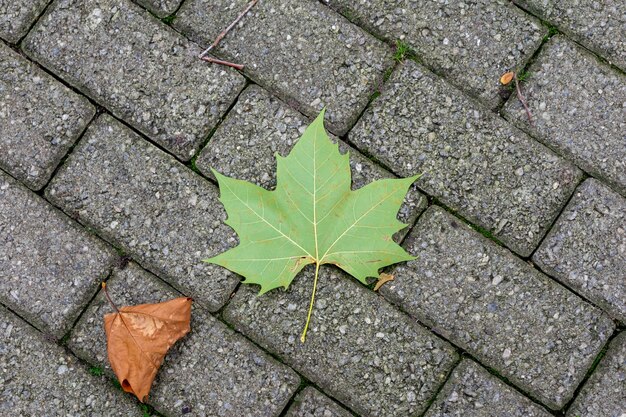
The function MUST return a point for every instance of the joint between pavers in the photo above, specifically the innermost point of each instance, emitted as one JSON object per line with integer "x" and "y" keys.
{"x": 34, "y": 23}
{"x": 432, "y": 400}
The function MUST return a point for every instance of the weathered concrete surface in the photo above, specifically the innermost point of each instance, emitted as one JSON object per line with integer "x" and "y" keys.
{"x": 604, "y": 394}
{"x": 472, "y": 391}
{"x": 578, "y": 108}
{"x": 312, "y": 403}
{"x": 259, "y": 126}
{"x": 39, "y": 378}
{"x": 40, "y": 119}
{"x": 534, "y": 332}
{"x": 212, "y": 371}
{"x": 476, "y": 163}
{"x": 586, "y": 248}
{"x": 308, "y": 54}
{"x": 49, "y": 266}
{"x": 16, "y": 17}
{"x": 161, "y": 8}
{"x": 359, "y": 349}
{"x": 597, "y": 24}
{"x": 471, "y": 43}
{"x": 137, "y": 67}
{"x": 160, "y": 212}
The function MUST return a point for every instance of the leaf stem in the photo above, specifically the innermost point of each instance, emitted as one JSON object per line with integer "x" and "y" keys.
{"x": 308, "y": 317}
{"x": 106, "y": 292}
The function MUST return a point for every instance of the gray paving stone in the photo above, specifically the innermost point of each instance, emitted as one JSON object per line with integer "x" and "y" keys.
{"x": 586, "y": 248}
{"x": 39, "y": 378}
{"x": 39, "y": 119}
{"x": 472, "y": 43}
{"x": 213, "y": 371}
{"x": 302, "y": 50}
{"x": 312, "y": 403}
{"x": 17, "y": 17}
{"x": 578, "y": 107}
{"x": 49, "y": 267}
{"x": 260, "y": 125}
{"x": 164, "y": 215}
{"x": 472, "y": 391}
{"x": 604, "y": 394}
{"x": 161, "y": 8}
{"x": 137, "y": 67}
{"x": 597, "y": 24}
{"x": 359, "y": 349}
{"x": 476, "y": 163}
{"x": 512, "y": 318}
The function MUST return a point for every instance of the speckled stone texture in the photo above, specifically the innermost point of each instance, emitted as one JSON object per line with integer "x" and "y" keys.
{"x": 604, "y": 394}
{"x": 160, "y": 212}
{"x": 304, "y": 51}
{"x": 39, "y": 119}
{"x": 260, "y": 125}
{"x": 137, "y": 67}
{"x": 49, "y": 267}
{"x": 471, "y": 43}
{"x": 586, "y": 248}
{"x": 508, "y": 315}
{"x": 39, "y": 378}
{"x": 597, "y": 24}
{"x": 359, "y": 349}
{"x": 476, "y": 163}
{"x": 161, "y": 8}
{"x": 17, "y": 16}
{"x": 312, "y": 403}
{"x": 212, "y": 371}
{"x": 579, "y": 109}
{"x": 472, "y": 391}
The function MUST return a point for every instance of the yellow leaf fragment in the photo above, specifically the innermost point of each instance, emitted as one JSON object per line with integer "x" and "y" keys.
{"x": 507, "y": 77}
{"x": 382, "y": 280}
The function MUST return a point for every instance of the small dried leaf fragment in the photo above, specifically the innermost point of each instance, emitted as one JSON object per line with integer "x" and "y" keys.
{"x": 138, "y": 337}
{"x": 507, "y": 77}
{"x": 384, "y": 278}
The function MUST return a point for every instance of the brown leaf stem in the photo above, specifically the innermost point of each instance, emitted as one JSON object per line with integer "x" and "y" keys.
{"x": 106, "y": 292}
{"x": 522, "y": 100}
{"x": 228, "y": 29}
{"x": 219, "y": 61}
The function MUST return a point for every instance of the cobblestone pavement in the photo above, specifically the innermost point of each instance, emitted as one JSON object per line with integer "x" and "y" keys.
{"x": 516, "y": 302}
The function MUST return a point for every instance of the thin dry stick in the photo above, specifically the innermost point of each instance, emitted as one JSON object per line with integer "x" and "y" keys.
{"x": 219, "y": 61}
{"x": 228, "y": 29}
{"x": 522, "y": 100}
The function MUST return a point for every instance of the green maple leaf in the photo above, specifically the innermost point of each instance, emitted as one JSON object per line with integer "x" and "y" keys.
{"x": 312, "y": 217}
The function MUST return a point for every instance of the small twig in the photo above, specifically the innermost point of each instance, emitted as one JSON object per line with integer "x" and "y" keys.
{"x": 522, "y": 100}
{"x": 104, "y": 287}
{"x": 219, "y": 61}
{"x": 228, "y": 29}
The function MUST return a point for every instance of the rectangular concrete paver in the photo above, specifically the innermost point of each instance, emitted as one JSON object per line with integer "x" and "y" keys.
{"x": 359, "y": 349}
{"x": 259, "y": 126}
{"x": 597, "y": 24}
{"x": 49, "y": 267}
{"x": 312, "y": 403}
{"x": 38, "y": 378}
{"x": 586, "y": 248}
{"x": 16, "y": 17}
{"x": 508, "y": 315}
{"x": 472, "y": 43}
{"x": 137, "y": 67}
{"x": 212, "y": 371}
{"x": 161, "y": 8}
{"x": 604, "y": 394}
{"x": 40, "y": 119}
{"x": 472, "y": 391}
{"x": 163, "y": 214}
{"x": 302, "y": 50}
{"x": 475, "y": 162}
{"x": 578, "y": 103}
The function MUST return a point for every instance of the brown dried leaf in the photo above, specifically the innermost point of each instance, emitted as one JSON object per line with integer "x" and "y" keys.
{"x": 138, "y": 337}
{"x": 507, "y": 77}
{"x": 382, "y": 280}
